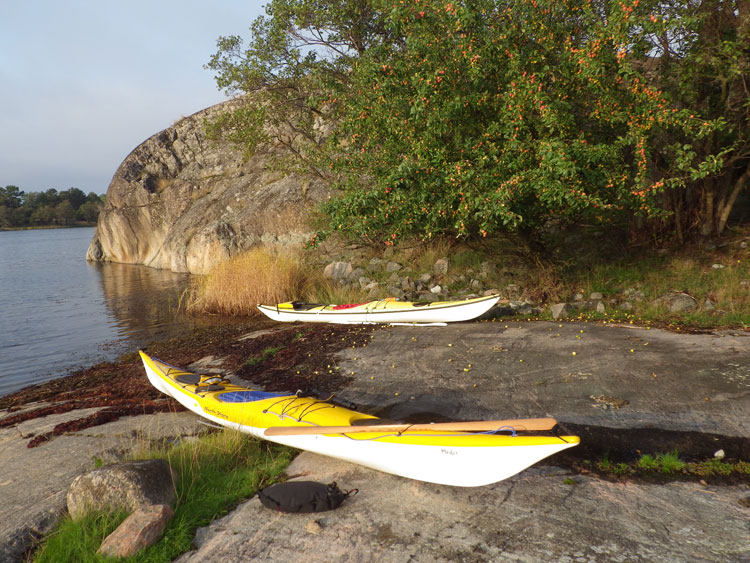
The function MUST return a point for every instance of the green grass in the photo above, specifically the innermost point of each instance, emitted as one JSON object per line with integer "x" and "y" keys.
{"x": 670, "y": 464}
{"x": 79, "y": 540}
{"x": 606, "y": 465}
{"x": 655, "y": 276}
{"x": 269, "y": 352}
{"x": 216, "y": 472}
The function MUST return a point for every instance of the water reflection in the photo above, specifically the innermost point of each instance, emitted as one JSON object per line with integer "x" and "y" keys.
{"x": 144, "y": 302}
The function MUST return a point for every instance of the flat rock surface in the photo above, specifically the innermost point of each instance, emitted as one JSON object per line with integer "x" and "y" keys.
{"x": 34, "y": 481}
{"x": 625, "y": 389}
{"x": 671, "y": 381}
{"x": 534, "y": 516}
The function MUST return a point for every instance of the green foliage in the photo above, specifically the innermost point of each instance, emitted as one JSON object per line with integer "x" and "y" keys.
{"x": 492, "y": 117}
{"x": 299, "y": 57}
{"x": 50, "y": 208}
{"x": 464, "y": 119}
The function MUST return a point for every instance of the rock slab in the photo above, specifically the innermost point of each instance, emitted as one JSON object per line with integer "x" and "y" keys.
{"x": 138, "y": 531}
{"x": 543, "y": 514}
{"x": 185, "y": 203}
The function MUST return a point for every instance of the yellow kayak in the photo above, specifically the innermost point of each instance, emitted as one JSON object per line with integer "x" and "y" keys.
{"x": 462, "y": 454}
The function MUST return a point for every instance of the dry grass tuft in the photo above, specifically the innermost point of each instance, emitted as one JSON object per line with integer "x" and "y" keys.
{"x": 236, "y": 286}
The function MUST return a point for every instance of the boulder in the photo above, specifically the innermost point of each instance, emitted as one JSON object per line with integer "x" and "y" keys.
{"x": 632, "y": 294}
{"x": 441, "y": 267}
{"x": 338, "y": 270}
{"x": 122, "y": 486}
{"x": 677, "y": 302}
{"x": 182, "y": 202}
{"x": 139, "y": 530}
{"x": 560, "y": 311}
{"x": 375, "y": 265}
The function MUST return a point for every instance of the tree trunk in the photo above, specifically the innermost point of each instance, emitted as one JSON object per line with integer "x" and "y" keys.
{"x": 723, "y": 214}
{"x": 707, "y": 221}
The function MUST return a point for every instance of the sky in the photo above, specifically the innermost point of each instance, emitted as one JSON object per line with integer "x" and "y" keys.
{"x": 84, "y": 82}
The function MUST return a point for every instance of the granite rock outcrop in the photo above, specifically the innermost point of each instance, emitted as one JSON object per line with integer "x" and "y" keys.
{"x": 183, "y": 202}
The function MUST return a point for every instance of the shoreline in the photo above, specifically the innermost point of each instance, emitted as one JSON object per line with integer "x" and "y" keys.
{"x": 120, "y": 388}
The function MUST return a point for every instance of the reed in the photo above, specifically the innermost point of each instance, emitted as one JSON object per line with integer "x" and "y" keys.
{"x": 237, "y": 286}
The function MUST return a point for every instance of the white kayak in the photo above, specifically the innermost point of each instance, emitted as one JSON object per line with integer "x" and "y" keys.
{"x": 382, "y": 311}
{"x": 464, "y": 454}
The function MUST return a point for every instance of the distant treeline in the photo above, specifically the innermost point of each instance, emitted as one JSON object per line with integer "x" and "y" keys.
{"x": 49, "y": 208}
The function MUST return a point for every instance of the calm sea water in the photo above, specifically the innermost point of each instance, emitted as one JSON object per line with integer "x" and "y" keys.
{"x": 59, "y": 313}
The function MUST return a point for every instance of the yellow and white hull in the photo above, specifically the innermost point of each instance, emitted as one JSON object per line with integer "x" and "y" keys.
{"x": 458, "y": 458}
{"x": 383, "y": 311}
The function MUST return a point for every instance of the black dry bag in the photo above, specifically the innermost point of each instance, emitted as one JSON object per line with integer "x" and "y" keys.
{"x": 303, "y": 496}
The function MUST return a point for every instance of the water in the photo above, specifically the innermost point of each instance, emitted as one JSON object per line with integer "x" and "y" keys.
{"x": 59, "y": 312}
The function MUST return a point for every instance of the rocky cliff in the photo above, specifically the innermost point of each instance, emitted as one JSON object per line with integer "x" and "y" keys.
{"x": 185, "y": 203}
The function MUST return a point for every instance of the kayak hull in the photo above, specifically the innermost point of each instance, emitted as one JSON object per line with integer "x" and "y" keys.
{"x": 464, "y": 459}
{"x": 384, "y": 311}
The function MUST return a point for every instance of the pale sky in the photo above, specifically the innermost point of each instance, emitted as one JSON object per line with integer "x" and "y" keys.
{"x": 84, "y": 82}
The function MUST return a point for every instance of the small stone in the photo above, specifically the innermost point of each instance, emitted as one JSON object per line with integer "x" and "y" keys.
{"x": 375, "y": 264}
{"x": 596, "y": 296}
{"x": 632, "y": 294}
{"x": 313, "y": 527}
{"x": 626, "y": 306}
{"x": 139, "y": 530}
{"x": 578, "y": 297}
{"x": 357, "y": 273}
{"x": 717, "y": 266}
{"x": 338, "y": 270}
{"x": 441, "y": 266}
{"x": 436, "y": 289}
{"x": 392, "y": 267}
{"x": 560, "y": 311}
{"x": 719, "y": 454}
